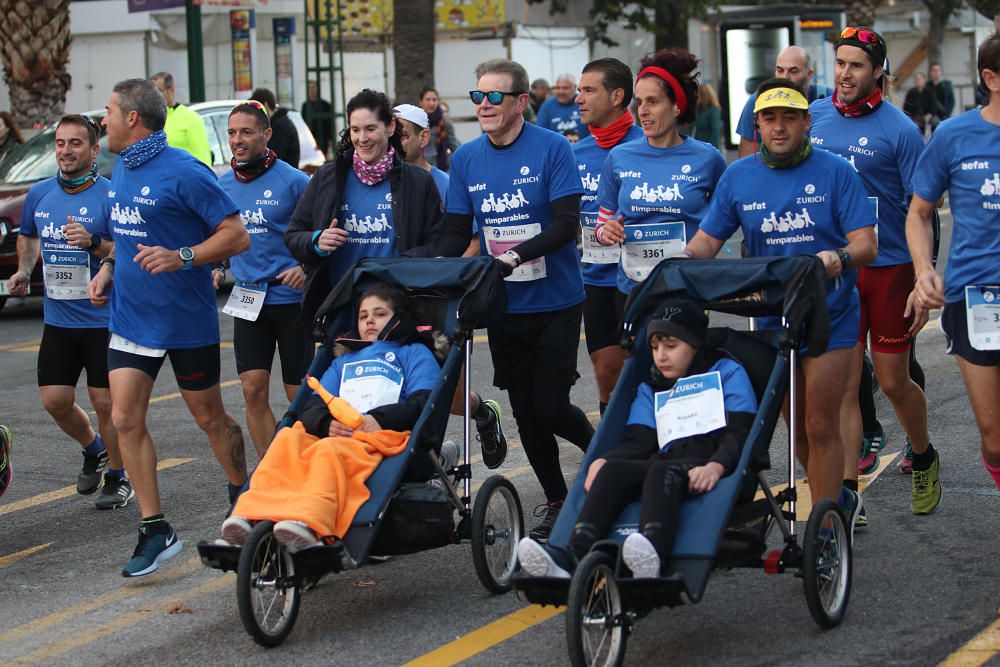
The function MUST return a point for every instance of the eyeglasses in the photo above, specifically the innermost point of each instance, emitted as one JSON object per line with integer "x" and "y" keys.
{"x": 252, "y": 103}
{"x": 494, "y": 96}
{"x": 862, "y": 35}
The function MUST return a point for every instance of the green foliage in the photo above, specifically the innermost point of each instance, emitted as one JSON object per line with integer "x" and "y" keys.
{"x": 648, "y": 15}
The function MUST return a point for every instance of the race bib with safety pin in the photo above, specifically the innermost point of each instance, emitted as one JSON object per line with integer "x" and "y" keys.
{"x": 649, "y": 244}
{"x": 694, "y": 406}
{"x": 67, "y": 273}
{"x": 246, "y": 300}
{"x": 501, "y": 239}
{"x": 594, "y": 252}
{"x": 125, "y": 345}
{"x": 982, "y": 313}
{"x": 370, "y": 384}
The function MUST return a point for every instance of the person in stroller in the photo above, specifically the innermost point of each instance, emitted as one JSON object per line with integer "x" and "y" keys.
{"x": 684, "y": 433}
{"x": 386, "y": 371}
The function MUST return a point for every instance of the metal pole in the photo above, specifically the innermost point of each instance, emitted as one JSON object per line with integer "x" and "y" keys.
{"x": 792, "y": 416}
{"x": 195, "y": 48}
{"x": 467, "y": 422}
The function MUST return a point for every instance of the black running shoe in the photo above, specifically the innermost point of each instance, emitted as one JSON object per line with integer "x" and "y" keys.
{"x": 548, "y": 512}
{"x": 6, "y": 440}
{"x": 491, "y": 437}
{"x": 116, "y": 493}
{"x": 90, "y": 477}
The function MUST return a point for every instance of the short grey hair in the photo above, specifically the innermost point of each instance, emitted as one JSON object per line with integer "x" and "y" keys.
{"x": 516, "y": 72}
{"x": 166, "y": 77}
{"x": 566, "y": 77}
{"x": 140, "y": 95}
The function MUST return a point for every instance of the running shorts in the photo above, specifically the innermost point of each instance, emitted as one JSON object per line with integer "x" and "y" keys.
{"x": 195, "y": 368}
{"x": 601, "y": 318}
{"x": 277, "y": 324}
{"x": 65, "y": 352}
{"x": 884, "y": 291}
{"x": 956, "y": 331}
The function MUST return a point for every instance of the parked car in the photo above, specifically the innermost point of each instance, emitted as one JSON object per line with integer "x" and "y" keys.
{"x": 35, "y": 161}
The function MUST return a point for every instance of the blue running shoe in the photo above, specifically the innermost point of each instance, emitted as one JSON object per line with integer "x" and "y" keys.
{"x": 152, "y": 549}
{"x": 852, "y": 508}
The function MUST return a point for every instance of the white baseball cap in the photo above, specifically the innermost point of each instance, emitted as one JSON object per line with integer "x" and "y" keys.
{"x": 414, "y": 114}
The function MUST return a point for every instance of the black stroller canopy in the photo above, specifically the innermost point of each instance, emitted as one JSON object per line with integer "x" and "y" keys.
{"x": 789, "y": 287}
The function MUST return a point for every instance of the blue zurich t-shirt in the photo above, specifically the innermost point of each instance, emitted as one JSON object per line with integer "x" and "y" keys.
{"x": 799, "y": 210}
{"x": 650, "y": 186}
{"x": 366, "y": 215}
{"x": 266, "y": 204}
{"x": 45, "y": 210}
{"x": 414, "y": 363}
{"x": 441, "y": 181}
{"x": 745, "y": 127}
{"x": 508, "y": 191}
{"x": 174, "y": 201}
{"x": 561, "y": 118}
{"x": 590, "y": 160}
{"x": 737, "y": 395}
{"x": 962, "y": 158}
{"x": 883, "y": 147}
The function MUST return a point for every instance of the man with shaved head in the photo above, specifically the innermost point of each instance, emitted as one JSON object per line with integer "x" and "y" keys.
{"x": 560, "y": 112}
{"x": 795, "y": 64}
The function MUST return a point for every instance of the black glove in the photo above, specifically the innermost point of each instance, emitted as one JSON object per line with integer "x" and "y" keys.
{"x": 505, "y": 268}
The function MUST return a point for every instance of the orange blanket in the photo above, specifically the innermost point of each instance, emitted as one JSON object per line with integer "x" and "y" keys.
{"x": 320, "y": 482}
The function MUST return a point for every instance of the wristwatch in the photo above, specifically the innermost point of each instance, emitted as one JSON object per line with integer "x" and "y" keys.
{"x": 845, "y": 258}
{"x": 514, "y": 256}
{"x": 187, "y": 256}
{"x": 95, "y": 242}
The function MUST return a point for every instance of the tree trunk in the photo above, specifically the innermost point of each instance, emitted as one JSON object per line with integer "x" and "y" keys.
{"x": 413, "y": 47}
{"x": 34, "y": 48}
{"x": 671, "y": 23}
{"x": 935, "y": 35}
{"x": 862, "y": 12}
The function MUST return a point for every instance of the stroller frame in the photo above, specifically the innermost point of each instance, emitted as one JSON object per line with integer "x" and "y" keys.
{"x": 267, "y": 569}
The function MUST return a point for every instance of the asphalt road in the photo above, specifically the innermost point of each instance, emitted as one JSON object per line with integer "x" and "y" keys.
{"x": 923, "y": 586}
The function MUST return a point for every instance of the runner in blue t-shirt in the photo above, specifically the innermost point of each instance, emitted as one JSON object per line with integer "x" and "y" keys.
{"x": 560, "y": 113}
{"x": 61, "y": 217}
{"x": 793, "y": 200}
{"x": 520, "y": 183}
{"x": 962, "y": 159}
{"x": 170, "y": 222}
{"x": 604, "y": 98}
{"x": 654, "y": 192}
{"x": 795, "y": 64}
{"x": 265, "y": 300}
{"x": 882, "y": 145}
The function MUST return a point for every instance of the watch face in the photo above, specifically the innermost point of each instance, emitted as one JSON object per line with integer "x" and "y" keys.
{"x": 186, "y": 254}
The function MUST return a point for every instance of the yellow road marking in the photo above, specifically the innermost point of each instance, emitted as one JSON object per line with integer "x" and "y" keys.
{"x": 128, "y": 619}
{"x": 486, "y": 637}
{"x": 68, "y": 491}
{"x": 177, "y": 394}
{"x": 122, "y": 593}
{"x": 978, "y": 650}
{"x": 16, "y": 347}
{"x": 10, "y": 559}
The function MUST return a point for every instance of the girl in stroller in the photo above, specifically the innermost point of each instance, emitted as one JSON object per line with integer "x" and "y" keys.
{"x": 685, "y": 431}
{"x": 386, "y": 371}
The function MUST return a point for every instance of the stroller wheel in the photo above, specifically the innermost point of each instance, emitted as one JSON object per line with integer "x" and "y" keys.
{"x": 596, "y": 623}
{"x": 267, "y": 597}
{"x": 497, "y": 527}
{"x": 827, "y": 564}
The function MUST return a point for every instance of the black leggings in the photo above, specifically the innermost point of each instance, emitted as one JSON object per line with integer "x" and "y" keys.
{"x": 869, "y": 421}
{"x": 662, "y": 484}
{"x": 543, "y": 411}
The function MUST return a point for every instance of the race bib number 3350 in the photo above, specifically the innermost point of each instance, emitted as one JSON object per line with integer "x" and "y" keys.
{"x": 982, "y": 313}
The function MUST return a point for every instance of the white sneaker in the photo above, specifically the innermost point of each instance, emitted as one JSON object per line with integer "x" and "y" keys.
{"x": 536, "y": 561}
{"x": 295, "y": 535}
{"x": 236, "y": 530}
{"x": 640, "y": 556}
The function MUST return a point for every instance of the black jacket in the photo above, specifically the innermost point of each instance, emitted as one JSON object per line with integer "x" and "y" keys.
{"x": 416, "y": 212}
{"x": 284, "y": 137}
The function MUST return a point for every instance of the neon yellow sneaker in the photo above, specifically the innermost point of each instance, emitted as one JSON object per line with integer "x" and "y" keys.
{"x": 926, "y": 494}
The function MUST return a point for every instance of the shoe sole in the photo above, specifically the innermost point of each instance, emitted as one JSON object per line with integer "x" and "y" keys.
{"x": 536, "y": 562}
{"x": 642, "y": 561}
{"x": 163, "y": 556}
{"x": 116, "y": 503}
{"x": 293, "y": 540}
{"x": 235, "y": 534}
{"x": 928, "y": 511}
{"x": 494, "y": 407}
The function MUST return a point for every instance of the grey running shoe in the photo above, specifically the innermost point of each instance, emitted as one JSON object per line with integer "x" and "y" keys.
{"x": 116, "y": 493}
{"x": 89, "y": 479}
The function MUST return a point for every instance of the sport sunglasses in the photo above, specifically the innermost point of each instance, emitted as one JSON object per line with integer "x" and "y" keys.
{"x": 494, "y": 96}
{"x": 862, "y": 35}
{"x": 253, "y": 103}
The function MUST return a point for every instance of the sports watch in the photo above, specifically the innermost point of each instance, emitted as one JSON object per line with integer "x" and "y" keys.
{"x": 845, "y": 258}
{"x": 187, "y": 256}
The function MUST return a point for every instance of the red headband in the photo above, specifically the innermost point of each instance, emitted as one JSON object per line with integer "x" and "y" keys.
{"x": 674, "y": 84}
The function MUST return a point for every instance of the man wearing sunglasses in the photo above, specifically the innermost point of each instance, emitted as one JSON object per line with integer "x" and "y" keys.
{"x": 521, "y": 185}
{"x": 795, "y": 64}
{"x": 883, "y": 146}
{"x": 62, "y": 218}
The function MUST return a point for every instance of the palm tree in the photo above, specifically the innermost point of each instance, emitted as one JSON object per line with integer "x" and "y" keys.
{"x": 413, "y": 47}
{"x": 862, "y": 12}
{"x": 34, "y": 49}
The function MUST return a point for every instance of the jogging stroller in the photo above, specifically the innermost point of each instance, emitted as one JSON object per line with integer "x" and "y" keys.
{"x": 413, "y": 496}
{"x": 726, "y": 527}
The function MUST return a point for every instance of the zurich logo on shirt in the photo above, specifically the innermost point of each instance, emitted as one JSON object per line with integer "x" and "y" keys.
{"x": 390, "y": 356}
{"x": 83, "y": 210}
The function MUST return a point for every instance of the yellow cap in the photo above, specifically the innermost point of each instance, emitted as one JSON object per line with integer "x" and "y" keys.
{"x": 783, "y": 98}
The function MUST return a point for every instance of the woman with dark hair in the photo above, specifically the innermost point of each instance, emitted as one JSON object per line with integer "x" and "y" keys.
{"x": 10, "y": 135}
{"x": 365, "y": 203}
{"x": 443, "y": 143}
{"x": 653, "y": 193}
